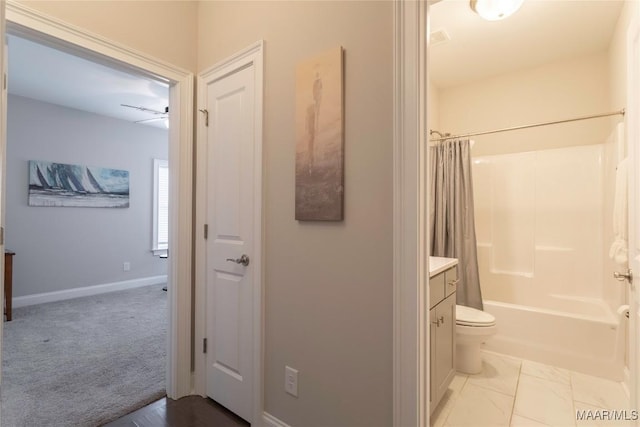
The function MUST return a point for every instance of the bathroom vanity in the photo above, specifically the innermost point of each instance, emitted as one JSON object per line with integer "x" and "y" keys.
{"x": 443, "y": 278}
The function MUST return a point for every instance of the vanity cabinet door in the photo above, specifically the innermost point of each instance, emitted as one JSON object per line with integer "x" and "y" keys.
{"x": 445, "y": 346}
{"x": 433, "y": 402}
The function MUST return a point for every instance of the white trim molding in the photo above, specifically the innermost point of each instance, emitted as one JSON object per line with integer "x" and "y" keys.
{"x": 34, "y": 24}
{"x": 410, "y": 339}
{"x": 252, "y": 55}
{"x": 3, "y": 156}
{"x": 626, "y": 382}
{"x": 269, "y": 420}
{"x": 86, "y": 291}
{"x": 633, "y": 154}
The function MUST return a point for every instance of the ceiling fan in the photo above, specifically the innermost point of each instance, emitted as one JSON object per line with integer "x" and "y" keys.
{"x": 162, "y": 115}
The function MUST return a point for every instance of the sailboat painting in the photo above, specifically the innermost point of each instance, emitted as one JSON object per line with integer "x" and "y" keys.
{"x": 59, "y": 184}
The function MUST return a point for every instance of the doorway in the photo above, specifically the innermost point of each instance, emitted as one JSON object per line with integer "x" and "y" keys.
{"x": 97, "y": 171}
{"x": 507, "y": 165}
{"x": 37, "y": 25}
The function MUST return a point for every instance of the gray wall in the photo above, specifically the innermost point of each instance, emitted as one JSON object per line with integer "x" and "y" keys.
{"x": 328, "y": 286}
{"x": 63, "y": 248}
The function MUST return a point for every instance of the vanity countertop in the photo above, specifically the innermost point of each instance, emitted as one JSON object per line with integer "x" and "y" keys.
{"x": 439, "y": 264}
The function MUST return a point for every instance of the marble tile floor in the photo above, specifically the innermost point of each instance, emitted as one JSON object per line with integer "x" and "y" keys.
{"x": 518, "y": 393}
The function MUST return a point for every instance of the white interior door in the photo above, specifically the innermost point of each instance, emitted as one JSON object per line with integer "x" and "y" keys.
{"x": 633, "y": 141}
{"x": 230, "y": 218}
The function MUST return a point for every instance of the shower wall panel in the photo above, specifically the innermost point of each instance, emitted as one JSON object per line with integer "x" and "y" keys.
{"x": 539, "y": 224}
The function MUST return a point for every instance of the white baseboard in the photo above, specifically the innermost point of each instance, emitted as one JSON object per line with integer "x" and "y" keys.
{"x": 86, "y": 291}
{"x": 271, "y": 421}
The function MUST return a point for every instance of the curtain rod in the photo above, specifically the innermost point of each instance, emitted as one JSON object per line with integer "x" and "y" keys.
{"x": 593, "y": 116}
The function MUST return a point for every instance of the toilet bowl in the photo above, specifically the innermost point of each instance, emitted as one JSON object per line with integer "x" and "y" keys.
{"x": 473, "y": 327}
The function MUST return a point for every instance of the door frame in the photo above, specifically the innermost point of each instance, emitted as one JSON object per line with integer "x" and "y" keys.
{"x": 250, "y": 56}
{"x": 633, "y": 153}
{"x": 37, "y": 25}
{"x": 3, "y": 161}
{"x": 410, "y": 254}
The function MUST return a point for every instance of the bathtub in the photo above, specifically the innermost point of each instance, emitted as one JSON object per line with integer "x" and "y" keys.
{"x": 585, "y": 336}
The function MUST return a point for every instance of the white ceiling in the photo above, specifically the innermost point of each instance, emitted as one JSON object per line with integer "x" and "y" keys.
{"x": 541, "y": 31}
{"x": 53, "y": 76}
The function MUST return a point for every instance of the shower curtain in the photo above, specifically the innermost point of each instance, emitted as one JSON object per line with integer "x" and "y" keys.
{"x": 451, "y": 224}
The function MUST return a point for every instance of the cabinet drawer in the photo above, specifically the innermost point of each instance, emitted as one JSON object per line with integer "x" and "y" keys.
{"x": 436, "y": 289}
{"x": 450, "y": 280}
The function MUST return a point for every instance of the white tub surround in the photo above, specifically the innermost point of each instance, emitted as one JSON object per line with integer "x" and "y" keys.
{"x": 588, "y": 340}
{"x": 541, "y": 222}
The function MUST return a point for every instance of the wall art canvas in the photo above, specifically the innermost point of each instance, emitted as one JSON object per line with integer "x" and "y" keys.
{"x": 59, "y": 184}
{"x": 320, "y": 137}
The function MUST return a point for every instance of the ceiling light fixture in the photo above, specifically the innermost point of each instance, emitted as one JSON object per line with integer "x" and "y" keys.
{"x": 494, "y": 10}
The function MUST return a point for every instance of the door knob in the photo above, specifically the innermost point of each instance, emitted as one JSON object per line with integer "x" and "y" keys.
{"x": 624, "y": 276}
{"x": 243, "y": 260}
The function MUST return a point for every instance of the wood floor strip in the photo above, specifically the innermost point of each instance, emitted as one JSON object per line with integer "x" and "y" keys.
{"x": 190, "y": 411}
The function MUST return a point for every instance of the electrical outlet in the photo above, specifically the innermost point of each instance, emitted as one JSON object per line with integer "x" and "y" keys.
{"x": 126, "y": 266}
{"x": 291, "y": 381}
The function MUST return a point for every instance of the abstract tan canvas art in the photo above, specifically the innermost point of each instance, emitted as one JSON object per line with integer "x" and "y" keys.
{"x": 320, "y": 137}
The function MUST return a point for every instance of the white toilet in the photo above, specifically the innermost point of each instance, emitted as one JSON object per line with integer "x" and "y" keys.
{"x": 473, "y": 327}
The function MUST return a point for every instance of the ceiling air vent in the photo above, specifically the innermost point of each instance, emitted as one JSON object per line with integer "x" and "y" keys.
{"x": 439, "y": 37}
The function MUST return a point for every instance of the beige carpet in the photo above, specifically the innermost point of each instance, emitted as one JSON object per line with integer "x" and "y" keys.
{"x": 84, "y": 362}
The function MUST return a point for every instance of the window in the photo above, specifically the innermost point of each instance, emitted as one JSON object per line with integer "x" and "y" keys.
{"x": 160, "y": 207}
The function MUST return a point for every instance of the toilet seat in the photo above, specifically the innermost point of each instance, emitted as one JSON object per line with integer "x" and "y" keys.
{"x": 467, "y": 316}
